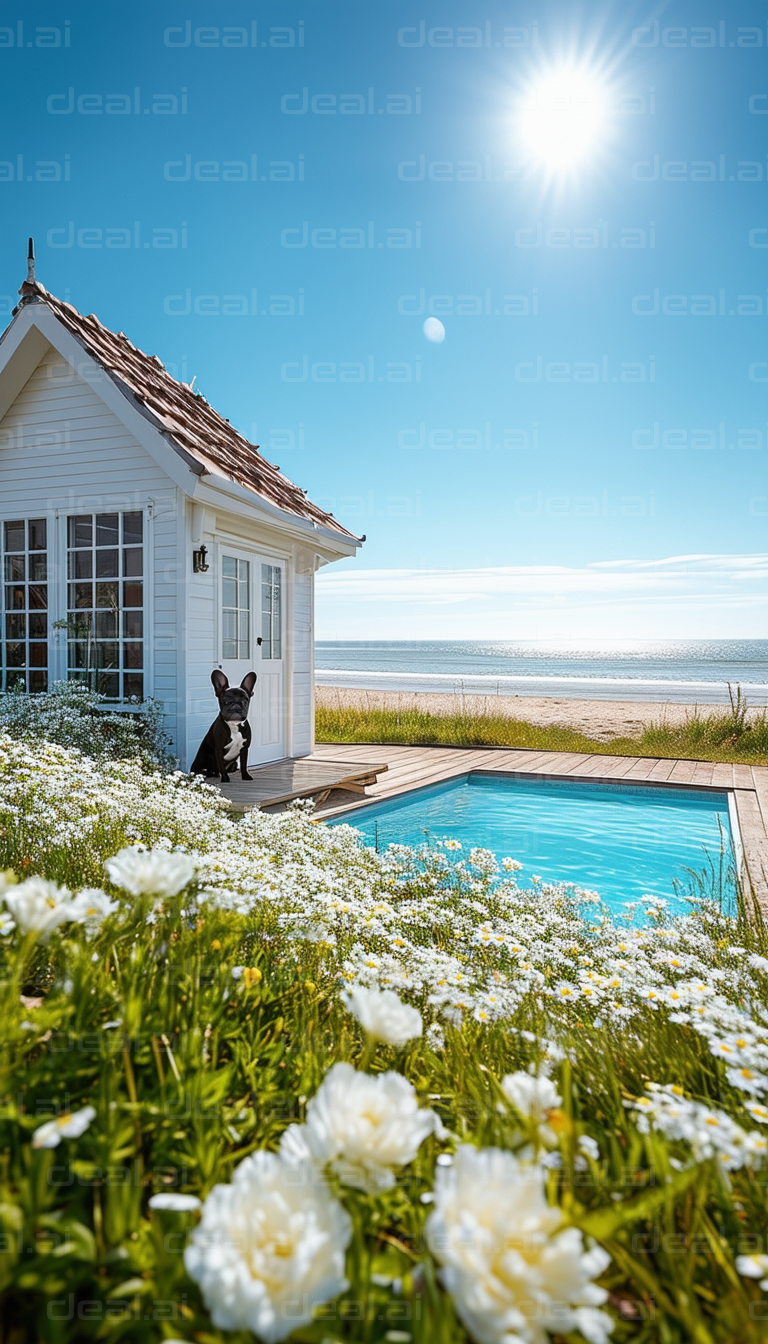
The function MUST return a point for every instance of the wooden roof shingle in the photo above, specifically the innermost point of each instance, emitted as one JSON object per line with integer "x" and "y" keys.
{"x": 184, "y": 417}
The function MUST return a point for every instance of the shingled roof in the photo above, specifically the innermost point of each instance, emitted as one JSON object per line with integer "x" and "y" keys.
{"x": 185, "y": 419}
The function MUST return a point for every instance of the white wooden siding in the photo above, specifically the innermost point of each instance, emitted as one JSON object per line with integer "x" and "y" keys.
{"x": 63, "y": 451}
{"x": 301, "y": 688}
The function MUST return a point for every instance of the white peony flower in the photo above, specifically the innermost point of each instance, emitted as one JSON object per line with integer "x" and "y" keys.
{"x": 150, "y": 872}
{"x": 753, "y": 1267}
{"x": 383, "y": 1015}
{"x": 69, "y": 1126}
{"x": 92, "y": 905}
{"x": 39, "y": 906}
{"x": 7, "y": 925}
{"x": 175, "y": 1202}
{"x": 514, "y": 1272}
{"x": 532, "y": 1097}
{"x": 365, "y": 1127}
{"x": 269, "y": 1248}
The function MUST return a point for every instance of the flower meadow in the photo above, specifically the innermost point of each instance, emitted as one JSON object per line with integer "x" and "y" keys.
{"x": 259, "y": 1082}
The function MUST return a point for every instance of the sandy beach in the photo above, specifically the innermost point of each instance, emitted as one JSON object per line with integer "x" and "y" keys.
{"x": 600, "y": 719}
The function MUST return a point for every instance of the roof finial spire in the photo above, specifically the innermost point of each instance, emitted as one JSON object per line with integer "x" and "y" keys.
{"x": 31, "y": 277}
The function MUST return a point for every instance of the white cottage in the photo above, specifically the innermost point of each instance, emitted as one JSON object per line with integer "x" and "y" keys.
{"x": 145, "y": 541}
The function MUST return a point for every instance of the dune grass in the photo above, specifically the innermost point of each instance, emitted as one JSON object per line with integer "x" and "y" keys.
{"x": 733, "y": 735}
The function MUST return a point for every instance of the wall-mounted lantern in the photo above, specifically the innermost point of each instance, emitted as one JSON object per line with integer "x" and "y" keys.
{"x": 199, "y": 563}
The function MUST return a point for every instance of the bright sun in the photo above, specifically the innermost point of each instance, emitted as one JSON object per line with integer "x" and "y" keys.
{"x": 563, "y": 117}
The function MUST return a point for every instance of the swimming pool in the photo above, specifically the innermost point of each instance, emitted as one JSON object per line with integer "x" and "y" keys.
{"x": 623, "y": 841}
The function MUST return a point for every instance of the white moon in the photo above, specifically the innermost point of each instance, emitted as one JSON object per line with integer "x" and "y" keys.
{"x": 434, "y": 330}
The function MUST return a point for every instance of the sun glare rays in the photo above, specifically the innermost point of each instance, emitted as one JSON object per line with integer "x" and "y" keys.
{"x": 564, "y": 118}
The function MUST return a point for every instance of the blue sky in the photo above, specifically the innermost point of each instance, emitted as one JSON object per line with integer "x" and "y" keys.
{"x": 274, "y": 198}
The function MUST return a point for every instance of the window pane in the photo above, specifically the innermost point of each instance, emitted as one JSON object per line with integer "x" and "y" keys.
{"x": 38, "y": 595}
{"x": 81, "y": 564}
{"x": 77, "y": 655}
{"x": 229, "y": 567}
{"x": 108, "y": 655}
{"x": 13, "y": 679}
{"x": 80, "y": 595}
{"x": 80, "y": 531}
{"x": 276, "y": 614}
{"x": 106, "y": 594}
{"x": 14, "y": 568}
{"x": 132, "y": 561}
{"x": 14, "y": 536}
{"x": 80, "y": 624}
{"x": 107, "y": 533}
{"x": 38, "y": 681}
{"x": 38, "y": 566}
{"x": 133, "y": 595}
{"x": 108, "y": 683}
{"x": 38, "y": 625}
{"x": 132, "y": 655}
{"x": 133, "y": 624}
{"x": 14, "y": 655}
{"x": 229, "y": 593}
{"x": 107, "y": 564}
{"x": 229, "y": 624}
{"x": 132, "y": 528}
{"x": 106, "y": 624}
{"x": 37, "y": 534}
{"x": 38, "y": 655}
{"x": 15, "y": 599}
{"x": 15, "y": 627}
{"x": 133, "y": 684}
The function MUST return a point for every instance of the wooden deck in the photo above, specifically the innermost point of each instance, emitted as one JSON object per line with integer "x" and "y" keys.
{"x": 302, "y": 777}
{"x": 414, "y": 767}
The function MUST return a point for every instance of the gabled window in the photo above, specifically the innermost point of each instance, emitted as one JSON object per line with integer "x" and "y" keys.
{"x": 25, "y": 604}
{"x": 105, "y": 602}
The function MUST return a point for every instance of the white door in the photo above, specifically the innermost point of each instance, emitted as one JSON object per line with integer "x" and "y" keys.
{"x": 269, "y": 741}
{"x": 251, "y": 625}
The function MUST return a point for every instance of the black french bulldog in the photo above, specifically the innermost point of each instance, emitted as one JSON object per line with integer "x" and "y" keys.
{"x": 229, "y": 736}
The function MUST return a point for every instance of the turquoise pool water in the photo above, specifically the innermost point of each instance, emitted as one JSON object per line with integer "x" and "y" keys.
{"x": 622, "y": 841}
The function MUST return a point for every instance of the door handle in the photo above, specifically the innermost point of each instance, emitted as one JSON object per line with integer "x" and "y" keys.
{"x": 259, "y": 640}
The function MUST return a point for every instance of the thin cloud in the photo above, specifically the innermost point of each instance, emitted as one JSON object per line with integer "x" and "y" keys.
{"x": 700, "y": 578}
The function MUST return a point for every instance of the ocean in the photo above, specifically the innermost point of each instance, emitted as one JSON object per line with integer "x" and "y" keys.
{"x": 682, "y": 671}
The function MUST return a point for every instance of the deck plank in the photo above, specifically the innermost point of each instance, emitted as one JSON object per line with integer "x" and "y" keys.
{"x": 640, "y": 767}
{"x": 760, "y": 782}
{"x": 282, "y": 781}
{"x": 543, "y": 762}
{"x": 682, "y": 772}
{"x": 703, "y": 773}
{"x": 755, "y": 843}
{"x": 560, "y": 765}
{"x": 659, "y": 773}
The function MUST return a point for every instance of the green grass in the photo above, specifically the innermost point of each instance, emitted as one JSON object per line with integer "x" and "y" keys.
{"x": 729, "y": 736}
